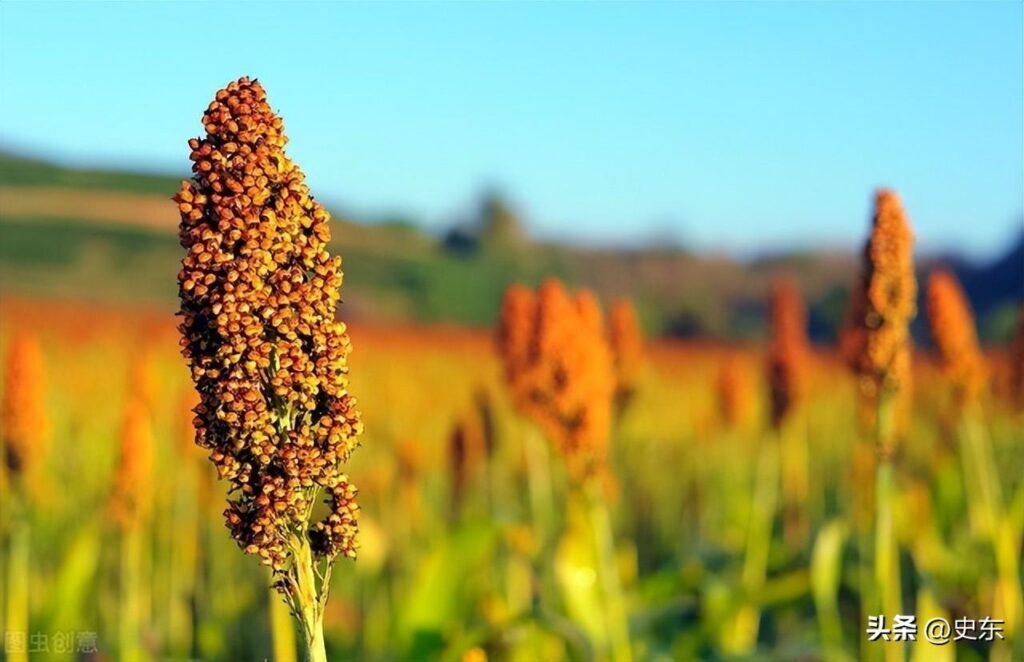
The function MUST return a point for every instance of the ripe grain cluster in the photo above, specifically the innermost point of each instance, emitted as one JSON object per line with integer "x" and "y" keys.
{"x": 259, "y": 292}
{"x": 558, "y": 366}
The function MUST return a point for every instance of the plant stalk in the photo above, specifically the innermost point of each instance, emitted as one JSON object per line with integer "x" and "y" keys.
{"x": 615, "y": 606}
{"x": 17, "y": 588}
{"x": 988, "y": 495}
{"x": 887, "y": 561}
{"x": 131, "y": 576}
{"x": 746, "y": 625}
{"x": 308, "y": 602}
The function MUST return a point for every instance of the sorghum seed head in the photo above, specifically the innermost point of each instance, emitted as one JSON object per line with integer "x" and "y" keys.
{"x": 259, "y": 292}
{"x": 515, "y": 329}
{"x": 559, "y": 368}
{"x": 468, "y": 448}
{"x": 877, "y": 341}
{"x": 627, "y": 345}
{"x": 129, "y": 501}
{"x": 23, "y": 420}
{"x": 952, "y": 328}
{"x": 735, "y": 392}
{"x": 787, "y": 356}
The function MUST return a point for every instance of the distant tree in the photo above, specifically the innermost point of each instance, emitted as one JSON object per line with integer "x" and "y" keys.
{"x": 460, "y": 239}
{"x": 495, "y": 225}
{"x": 498, "y": 224}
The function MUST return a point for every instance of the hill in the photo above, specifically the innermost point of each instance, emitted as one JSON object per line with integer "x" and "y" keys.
{"x": 110, "y": 236}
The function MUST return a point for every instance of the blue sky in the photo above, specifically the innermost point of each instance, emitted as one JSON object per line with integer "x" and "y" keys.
{"x": 731, "y": 126}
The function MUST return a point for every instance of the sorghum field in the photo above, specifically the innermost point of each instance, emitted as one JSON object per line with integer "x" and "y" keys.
{"x": 731, "y": 536}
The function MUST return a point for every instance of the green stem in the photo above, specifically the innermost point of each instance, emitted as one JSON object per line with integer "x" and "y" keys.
{"x": 826, "y": 575}
{"x": 17, "y": 587}
{"x": 308, "y": 602}
{"x": 182, "y": 561}
{"x": 988, "y": 496}
{"x": 869, "y": 602}
{"x": 129, "y": 629}
{"x": 759, "y": 539}
{"x": 539, "y": 484}
{"x": 887, "y": 561}
{"x": 539, "y": 480}
{"x": 795, "y": 484}
{"x": 887, "y": 569}
{"x": 615, "y": 606}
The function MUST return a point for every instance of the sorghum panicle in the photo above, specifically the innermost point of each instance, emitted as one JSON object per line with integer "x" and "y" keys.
{"x": 735, "y": 392}
{"x": 515, "y": 329}
{"x": 259, "y": 292}
{"x": 559, "y": 369}
{"x": 627, "y": 344}
{"x": 468, "y": 448}
{"x": 877, "y": 343}
{"x": 23, "y": 419}
{"x": 129, "y": 501}
{"x": 787, "y": 356}
{"x": 952, "y": 328}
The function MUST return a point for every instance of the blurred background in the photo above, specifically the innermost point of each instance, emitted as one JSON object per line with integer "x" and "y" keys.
{"x": 678, "y": 155}
{"x": 672, "y": 152}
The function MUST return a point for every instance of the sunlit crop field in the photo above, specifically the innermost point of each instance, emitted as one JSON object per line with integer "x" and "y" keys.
{"x": 474, "y": 544}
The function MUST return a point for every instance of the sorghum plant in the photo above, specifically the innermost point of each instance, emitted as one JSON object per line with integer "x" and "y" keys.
{"x": 627, "y": 344}
{"x": 952, "y": 328}
{"x": 23, "y": 416}
{"x": 559, "y": 369}
{"x": 130, "y": 503}
{"x": 878, "y": 347}
{"x": 470, "y": 446}
{"x": 259, "y": 291}
{"x": 785, "y": 368}
{"x": 878, "y": 343}
{"x": 23, "y": 451}
{"x": 787, "y": 356}
{"x": 734, "y": 392}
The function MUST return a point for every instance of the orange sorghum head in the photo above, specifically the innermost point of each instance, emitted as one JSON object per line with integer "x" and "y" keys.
{"x": 878, "y": 343}
{"x": 559, "y": 369}
{"x": 515, "y": 328}
{"x": 23, "y": 417}
{"x": 735, "y": 392}
{"x": 259, "y": 292}
{"x": 787, "y": 356}
{"x": 952, "y": 328}
{"x": 467, "y": 451}
{"x": 627, "y": 344}
{"x": 129, "y": 500}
